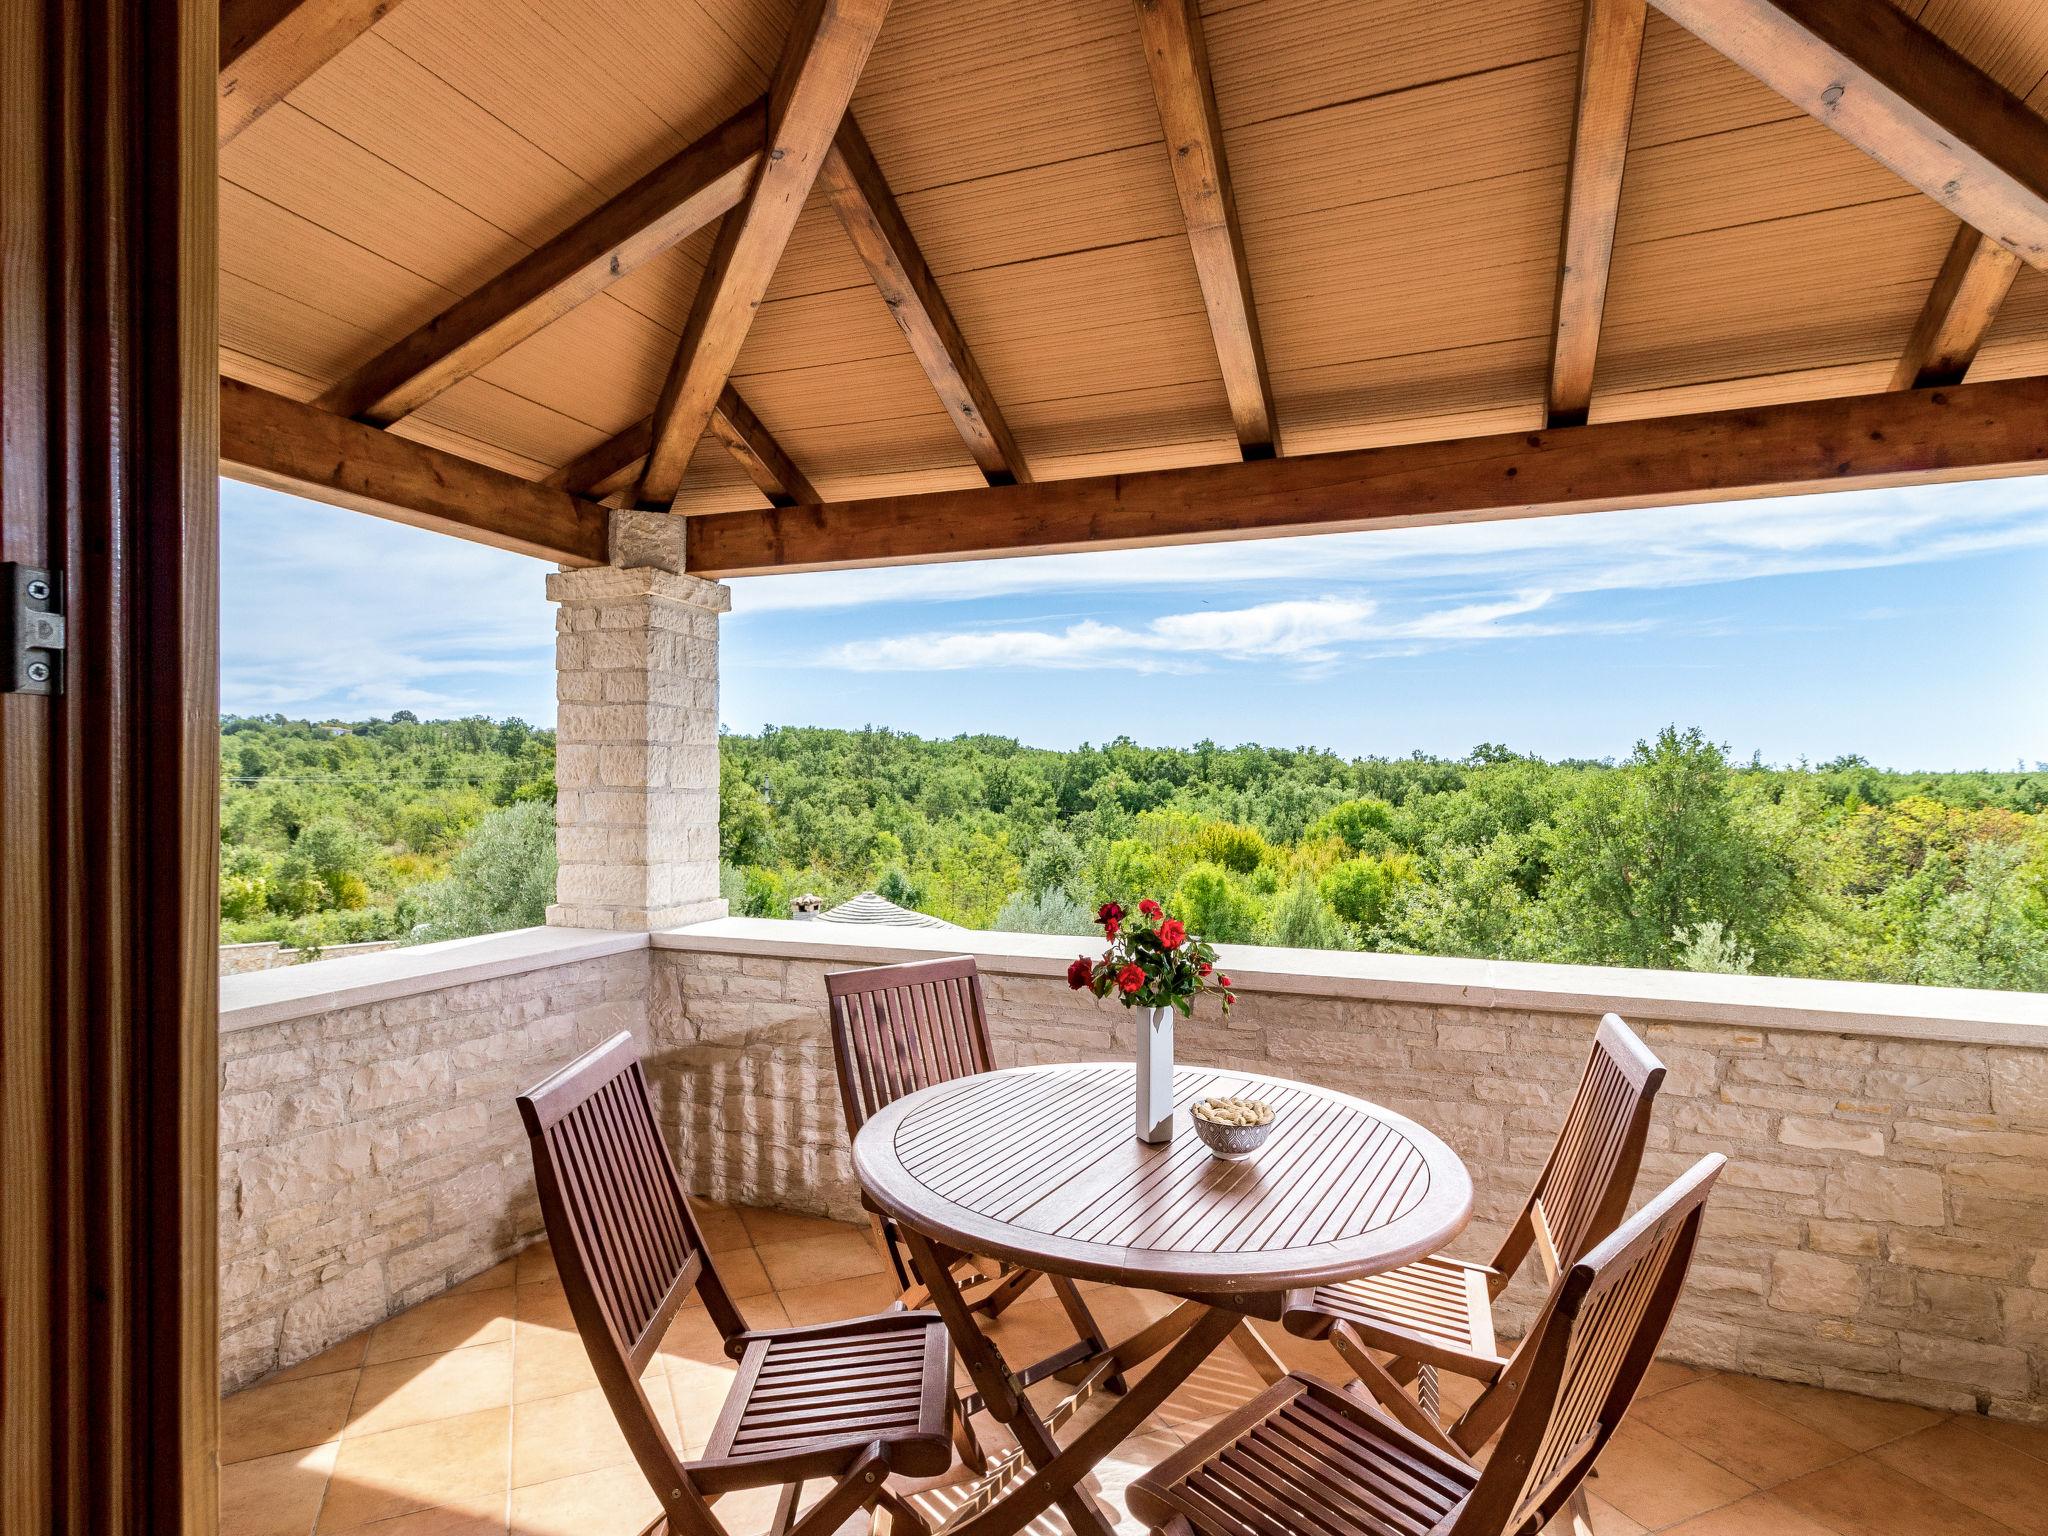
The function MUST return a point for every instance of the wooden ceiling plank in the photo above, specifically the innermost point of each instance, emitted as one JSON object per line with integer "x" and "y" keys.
{"x": 269, "y": 440}
{"x": 1973, "y": 282}
{"x": 1610, "y": 57}
{"x": 875, "y": 224}
{"x": 268, "y": 47}
{"x": 660, "y": 210}
{"x": 1178, "y": 60}
{"x": 828, "y": 45}
{"x": 1899, "y": 93}
{"x": 1973, "y": 431}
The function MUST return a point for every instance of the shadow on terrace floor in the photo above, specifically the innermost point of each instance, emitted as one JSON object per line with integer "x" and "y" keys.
{"x": 477, "y": 1413}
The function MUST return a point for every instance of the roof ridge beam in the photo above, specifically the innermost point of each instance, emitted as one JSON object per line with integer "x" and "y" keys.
{"x": 614, "y": 464}
{"x": 660, "y": 210}
{"x": 1900, "y": 94}
{"x": 827, "y": 48}
{"x": 268, "y": 48}
{"x": 1177, "y": 58}
{"x": 1610, "y": 57}
{"x": 874, "y": 222}
{"x": 1974, "y": 431}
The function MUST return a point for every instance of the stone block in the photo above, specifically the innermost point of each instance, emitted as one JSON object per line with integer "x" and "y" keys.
{"x": 331, "y": 1312}
{"x": 1832, "y": 1135}
{"x": 1907, "y": 1197}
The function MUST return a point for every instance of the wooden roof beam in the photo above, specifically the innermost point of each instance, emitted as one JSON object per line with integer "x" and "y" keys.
{"x": 660, "y": 210}
{"x": 1974, "y": 431}
{"x": 1610, "y": 55}
{"x": 268, "y": 47}
{"x": 614, "y": 464}
{"x": 1178, "y": 60}
{"x": 1974, "y": 280}
{"x": 860, "y": 195}
{"x": 828, "y": 45}
{"x": 268, "y": 440}
{"x": 1899, "y": 93}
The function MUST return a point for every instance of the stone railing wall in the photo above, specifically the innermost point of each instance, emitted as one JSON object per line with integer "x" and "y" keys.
{"x": 1882, "y": 1226}
{"x": 371, "y": 1153}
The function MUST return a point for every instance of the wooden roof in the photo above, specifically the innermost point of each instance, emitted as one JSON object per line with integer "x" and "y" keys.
{"x": 1001, "y": 272}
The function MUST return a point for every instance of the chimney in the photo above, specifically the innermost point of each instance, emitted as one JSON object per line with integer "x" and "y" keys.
{"x": 804, "y": 908}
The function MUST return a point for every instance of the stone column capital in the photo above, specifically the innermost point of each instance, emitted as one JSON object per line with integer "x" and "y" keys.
{"x": 614, "y": 584}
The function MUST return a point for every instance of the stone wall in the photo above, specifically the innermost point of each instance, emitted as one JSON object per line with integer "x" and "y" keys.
{"x": 241, "y": 959}
{"x": 371, "y": 1153}
{"x": 1882, "y": 1226}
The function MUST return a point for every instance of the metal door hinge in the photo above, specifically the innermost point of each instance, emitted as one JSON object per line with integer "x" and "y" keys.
{"x": 35, "y": 650}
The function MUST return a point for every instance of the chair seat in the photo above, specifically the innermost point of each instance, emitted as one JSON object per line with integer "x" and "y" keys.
{"x": 1303, "y": 1459}
{"x": 1436, "y": 1310}
{"x": 805, "y": 1392}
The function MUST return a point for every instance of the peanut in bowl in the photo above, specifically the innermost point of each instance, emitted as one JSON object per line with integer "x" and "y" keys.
{"x": 1232, "y": 1129}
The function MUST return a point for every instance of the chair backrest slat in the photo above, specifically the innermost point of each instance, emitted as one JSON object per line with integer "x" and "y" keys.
{"x": 1585, "y": 1186}
{"x": 626, "y": 1246}
{"x": 899, "y": 1028}
{"x": 1590, "y": 1346}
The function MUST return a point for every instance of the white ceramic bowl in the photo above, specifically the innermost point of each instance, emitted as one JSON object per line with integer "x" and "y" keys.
{"x": 1232, "y": 1143}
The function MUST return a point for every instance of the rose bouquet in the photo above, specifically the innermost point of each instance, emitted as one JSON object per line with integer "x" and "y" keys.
{"x": 1152, "y": 961}
{"x": 1155, "y": 967}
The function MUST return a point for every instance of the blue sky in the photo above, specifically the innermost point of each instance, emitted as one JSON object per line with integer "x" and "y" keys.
{"x": 1908, "y": 626}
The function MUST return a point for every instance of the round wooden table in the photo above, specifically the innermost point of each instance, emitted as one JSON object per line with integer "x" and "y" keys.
{"x": 1041, "y": 1166}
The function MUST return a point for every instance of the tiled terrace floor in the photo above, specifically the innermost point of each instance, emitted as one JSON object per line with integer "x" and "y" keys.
{"x": 477, "y": 1413}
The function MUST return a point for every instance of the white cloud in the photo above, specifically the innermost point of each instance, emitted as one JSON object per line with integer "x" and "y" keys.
{"x": 1609, "y": 551}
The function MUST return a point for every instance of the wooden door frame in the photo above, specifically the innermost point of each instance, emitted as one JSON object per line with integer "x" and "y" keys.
{"x": 108, "y": 814}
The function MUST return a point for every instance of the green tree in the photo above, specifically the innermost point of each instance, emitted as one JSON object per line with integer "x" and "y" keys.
{"x": 1358, "y": 890}
{"x": 504, "y": 878}
{"x": 1216, "y": 907}
{"x": 1302, "y": 919}
{"x": 1981, "y": 934}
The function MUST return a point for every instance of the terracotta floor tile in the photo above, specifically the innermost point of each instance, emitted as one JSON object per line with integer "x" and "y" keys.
{"x": 1757, "y": 1443}
{"x": 724, "y": 1231}
{"x": 561, "y": 1437}
{"x": 536, "y": 1261}
{"x": 766, "y": 1226}
{"x": 284, "y": 1415}
{"x": 495, "y": 1278}
{"x": 615, "y": 1501}
{"x": 840, "y": 1298}
{"x": 548, "y": 1359}
{"x": 345, "y": 1356}
{"x": 836, "y": 1255}
{"x": 2030, "y": 1438}
{"x": 446, "y": 1322}
{"x": 413, "y": 1391}
{"x": 1655, "y": 1481}
{"x": 1858, "y": 1422}
{"x": 1761, "y": 1514}
{"x": 1987, "y": 1475}
{"x": 1662, "y": 1376}
{"x": 454, "y": 1463}
{"x": 741, "y": 1271}
{"x": 1607, "y": 1520}
{"x": 476, "y": 1521}
{"x": 1863, "y": 1497}
{"x": 275, "y": 1495}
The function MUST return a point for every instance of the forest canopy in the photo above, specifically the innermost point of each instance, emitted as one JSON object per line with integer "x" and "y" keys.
{"x": 1672, "y": 857}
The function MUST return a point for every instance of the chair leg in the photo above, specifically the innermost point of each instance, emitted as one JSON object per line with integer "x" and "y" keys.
{"x": 898, "y": 1516}
{"x": 965, "y": 1440}
{"x": 785, "y": 1509}
{"x": 1085, "y": 1327}
{"x": 1386, "y": 1391}
{"x": 1575, "y": 1519}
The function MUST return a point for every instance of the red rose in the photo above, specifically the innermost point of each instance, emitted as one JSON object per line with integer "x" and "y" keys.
{"x": 1171, "y": 933}
{"x": 1109, "y": 928}
{"x": 1150, "y": 907}
{"x": 1130, "y": 978}
{"x": 1204, "y": 968}
{"x": 1080, "y": 973}
{"x": 1223, "y": 981}
{"x": 1109, "y": 914}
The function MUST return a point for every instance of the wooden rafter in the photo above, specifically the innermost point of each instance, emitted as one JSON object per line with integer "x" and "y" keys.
{"x": 1178, "y": 60}
{"x": 1974, "y": 431}
{"x": 614, "y": 464}
{"x": 1974, "y": 280}
{"x": 661, "y": 209}
{"x": 860, "y": 195}
{"x": 1899, "y": 93}
{"x": 1609, "y": 57}
{"x": 269, "y": 440}
{"x": 827, "y": 47}
{"x": 267, "y": 47}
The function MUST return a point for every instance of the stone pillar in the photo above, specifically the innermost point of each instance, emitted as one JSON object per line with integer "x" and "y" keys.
{"x": 636, "y": 735}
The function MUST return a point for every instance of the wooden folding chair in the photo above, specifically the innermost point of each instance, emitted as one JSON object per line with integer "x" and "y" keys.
{"x": 1437, "y": 1313}
{"x": 851, "y": 1401}
{"x": 1305, "y": 1459}
{"x": 899, "y": 1028}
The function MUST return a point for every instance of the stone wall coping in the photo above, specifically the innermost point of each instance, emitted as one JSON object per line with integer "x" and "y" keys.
{"x": 1957, "y": 1014}
{"x": 297, "y": 991}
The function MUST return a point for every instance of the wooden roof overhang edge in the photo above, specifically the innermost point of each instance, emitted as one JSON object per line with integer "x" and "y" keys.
{"x": 1973, "y": 431}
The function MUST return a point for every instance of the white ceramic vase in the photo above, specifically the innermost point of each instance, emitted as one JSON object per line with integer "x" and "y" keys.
{"x": 1155, "y": 1073}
